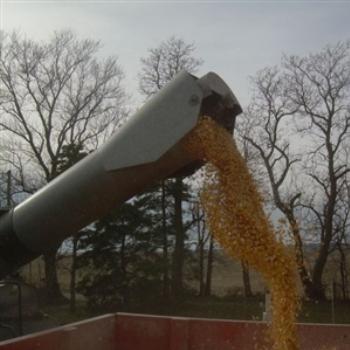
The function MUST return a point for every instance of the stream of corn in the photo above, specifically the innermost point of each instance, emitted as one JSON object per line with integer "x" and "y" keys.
{"x": 236, "y": 218}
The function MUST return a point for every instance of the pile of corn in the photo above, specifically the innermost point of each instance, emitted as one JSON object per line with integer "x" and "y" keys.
{"x": 237, "y": 220}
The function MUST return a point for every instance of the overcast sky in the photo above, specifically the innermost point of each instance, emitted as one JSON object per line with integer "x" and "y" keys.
{"x": 234, "y": 38}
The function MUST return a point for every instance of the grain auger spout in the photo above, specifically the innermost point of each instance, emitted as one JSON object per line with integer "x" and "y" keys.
{"x": 146, "y": 149}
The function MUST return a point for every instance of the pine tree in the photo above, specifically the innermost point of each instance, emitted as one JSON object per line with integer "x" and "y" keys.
{"x": 121, "y": 261}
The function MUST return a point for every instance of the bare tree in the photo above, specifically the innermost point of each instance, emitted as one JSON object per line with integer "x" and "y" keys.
{"x": 158, "y": 68}
{"x": 340, "y": 246}
{"x": 202, "y": 240}
{"x": 269, "y": 118}
{"x": 53, "y": 94}
{"x": 314, "y": 92}
{"x": 164, "y": 62}
{"x": 210, "y": 260}
{"x": 320, "y": 90}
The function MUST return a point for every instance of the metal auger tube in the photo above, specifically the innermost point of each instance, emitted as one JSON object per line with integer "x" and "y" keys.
{"x": 146, "y": 149}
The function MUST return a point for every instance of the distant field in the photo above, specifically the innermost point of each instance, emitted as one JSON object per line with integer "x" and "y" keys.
{"x": 226, "y": 278}
{"x": 226, "y": 302}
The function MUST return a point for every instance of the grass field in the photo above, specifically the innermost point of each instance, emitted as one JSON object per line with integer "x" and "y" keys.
{"x": 226, "y": 278}
{"x": 236, "y": 308}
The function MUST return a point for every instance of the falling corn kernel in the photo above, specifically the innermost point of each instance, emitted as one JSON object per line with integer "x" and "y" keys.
{"x": 236, "y": 218}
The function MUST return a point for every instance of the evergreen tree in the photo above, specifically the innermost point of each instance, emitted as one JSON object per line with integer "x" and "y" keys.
{"x": 122, "y": 259}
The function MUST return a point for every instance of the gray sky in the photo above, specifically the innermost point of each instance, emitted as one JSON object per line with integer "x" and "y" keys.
{"x": 235, "y": 38}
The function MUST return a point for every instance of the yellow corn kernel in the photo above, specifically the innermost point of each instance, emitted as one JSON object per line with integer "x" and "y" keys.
{"x": 236, "y": 218}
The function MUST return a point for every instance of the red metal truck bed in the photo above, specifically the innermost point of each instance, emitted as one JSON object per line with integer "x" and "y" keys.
{"x": 132, "y": 331}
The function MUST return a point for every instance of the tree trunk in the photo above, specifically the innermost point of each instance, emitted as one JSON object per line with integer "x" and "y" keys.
{"x": 40, "y": 278}
{"x": 123, "y": 263}
{"x": 343, "y": 272}
{"x": 246, "y": 280}
{"x": 309, "y": 289}
{"x": 321, "y": 260}
{"x": 179, "y": 251}
{"x": 9, "y": 190}
{"x": 53, "y": 291}
{"x": 201, "y": 268}
{"x": 329, "y": 211}
{"x": 73, "y": 275}
{"x": 202, "y": 239}
{"x": 207, "y": 291}
{"x": 166, "y": 287}
{"x": 318, "y": 292}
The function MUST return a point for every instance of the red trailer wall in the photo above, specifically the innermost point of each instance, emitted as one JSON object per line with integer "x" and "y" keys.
{"x": 132, "y": 332}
